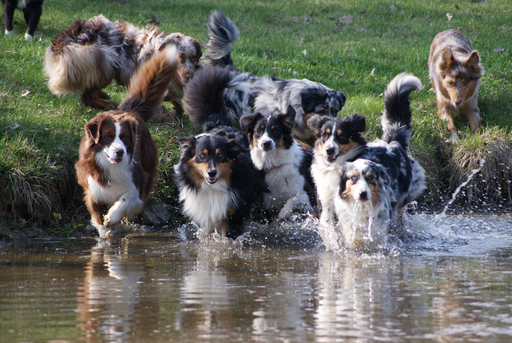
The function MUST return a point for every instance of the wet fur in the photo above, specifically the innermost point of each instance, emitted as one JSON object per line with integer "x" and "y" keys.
{"x": 32, "y": 10}
{"x": 117, "y": 157}
{"x": 217, "y": 191}
{"x": 267, "y": 95}
{"x": 455, "y": 74}
{"x": 91, "y": 53}
{"x": 284, "y": 163}
{"x": 401, "y": 178}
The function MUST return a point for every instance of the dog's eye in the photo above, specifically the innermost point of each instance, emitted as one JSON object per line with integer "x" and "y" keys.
{"x": 451, "y": 83}
{"x": 220, "y": 156}
{"x": 354, "y": 179}
{"x": 202, "y": 156}
{"x": 370, "y": 177}
{"x": 325, "y": 134}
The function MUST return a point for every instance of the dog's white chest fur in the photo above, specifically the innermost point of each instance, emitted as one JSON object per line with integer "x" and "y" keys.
{"x": 282, "y": 173}
{"x": 327, "y": 180}
{"x": 208, "y": 204}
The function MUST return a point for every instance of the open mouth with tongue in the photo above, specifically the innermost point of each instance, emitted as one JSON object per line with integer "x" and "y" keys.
{"x": 331, "y": 158}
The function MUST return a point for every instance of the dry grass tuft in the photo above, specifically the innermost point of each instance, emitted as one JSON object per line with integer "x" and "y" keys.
{"x": 489, "y": 157}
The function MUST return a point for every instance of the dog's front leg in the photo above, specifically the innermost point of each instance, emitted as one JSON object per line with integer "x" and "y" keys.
{"x": 128, "y": 205}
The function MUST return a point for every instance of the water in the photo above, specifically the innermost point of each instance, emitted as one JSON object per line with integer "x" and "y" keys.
{"x": 441, "y": 279}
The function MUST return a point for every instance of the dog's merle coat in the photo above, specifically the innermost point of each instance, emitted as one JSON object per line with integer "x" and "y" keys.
{"x": 395, "y": 177}
{"x": 267, "y": 95}
{"x": 91, "y": 53}
{"x": 283, "y": 161}
{"x": 215, "y": 175}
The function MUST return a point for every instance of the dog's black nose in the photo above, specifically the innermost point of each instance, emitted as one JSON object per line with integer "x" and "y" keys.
{"x": 267, "y": 145}
{"x": 330, "y": 151}
{"x": 119, "y": 154}
{"x": 363, "y": 195}
{"x": 212, "y": 173}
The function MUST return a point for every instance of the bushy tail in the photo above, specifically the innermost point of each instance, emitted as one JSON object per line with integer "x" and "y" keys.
{"x": 204, "y": 96}
{"x": 222, "y": 33}
{"x": 150, "y": 83}
{"x": 396, "y": 119}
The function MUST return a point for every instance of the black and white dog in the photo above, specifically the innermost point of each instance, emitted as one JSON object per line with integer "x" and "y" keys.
{"x": 32, "y": 10}
{"x": 216, "y": 179}
{"x": 376, "y": 180}
{"x": 284, "y": 162}
{"x": 267, "y": 95}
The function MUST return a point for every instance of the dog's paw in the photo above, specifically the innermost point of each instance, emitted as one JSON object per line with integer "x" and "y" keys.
{"x": 111, "y": 219}
{"x": 28, "y": 37}
{"x": 9, "y": 33}
{"x": 454, "y": 138}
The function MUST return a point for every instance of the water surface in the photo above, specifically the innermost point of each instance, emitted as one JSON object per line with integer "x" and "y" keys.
{"x": 444, "y": 278}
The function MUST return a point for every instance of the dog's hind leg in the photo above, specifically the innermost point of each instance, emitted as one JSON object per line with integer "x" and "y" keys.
{"x": 92, "y": 98}
{"x": 32, "y": 15}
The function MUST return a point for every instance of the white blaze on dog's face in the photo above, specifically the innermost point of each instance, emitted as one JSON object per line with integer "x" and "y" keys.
{"x": 337, "y": 136}
{"x": 113, "y": 140}
{"x": 360, "y": 182}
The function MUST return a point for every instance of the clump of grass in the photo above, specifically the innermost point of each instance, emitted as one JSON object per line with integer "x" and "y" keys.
{"x": 489, "y": 156}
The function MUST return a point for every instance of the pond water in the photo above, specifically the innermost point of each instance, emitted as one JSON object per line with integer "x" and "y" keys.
{"x": 441, "y": 279}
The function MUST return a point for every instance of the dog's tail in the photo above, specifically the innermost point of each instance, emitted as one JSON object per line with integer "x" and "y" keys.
{"x": 204, "y": 97}
{"x": 150, "y": 83}
{"x": 222, "y": 33}
{"x": 396, "y": 119}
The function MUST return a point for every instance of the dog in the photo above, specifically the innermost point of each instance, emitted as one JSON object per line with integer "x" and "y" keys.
{"x": 285, "y": 164}
{"x": 118, "y": 158}
{"x": 32, "y": 10}
{"x": 337, "y": 140}
{"x": 215, "y": 176}
{"x": 267, "y": 95}
{"x": 455, "y": 72}
{"x": 91, "y": 53}
{"x": 375, "y": 180}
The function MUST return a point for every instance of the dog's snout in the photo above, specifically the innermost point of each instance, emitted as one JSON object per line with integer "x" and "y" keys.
{"x": 458, "y": 102}
{"x": 267, "y": 145}
{"x": 119, "y": 154}
{"x": 363, "y": 195}
{"x": 212, "y": 172}
{"x": 330, "y": 151}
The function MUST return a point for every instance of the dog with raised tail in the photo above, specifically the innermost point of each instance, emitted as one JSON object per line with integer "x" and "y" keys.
{"x": 215, "y": 176}
{"x": 383, "y": 179}
{"x": 118, "y": 159}
{"x": 284, "y": 163}
{"x": 91, "y": 53}
{"x": 455, "y": 72}
{"x": 268, "y": 95}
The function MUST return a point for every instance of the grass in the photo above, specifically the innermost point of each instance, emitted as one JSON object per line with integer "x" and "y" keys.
{"x": 355, "y": 47}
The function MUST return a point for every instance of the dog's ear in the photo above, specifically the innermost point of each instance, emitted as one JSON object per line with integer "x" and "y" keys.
{"x": 248, "y": 121}
{"x": 315, "y": 123}
{"x": 445, "y": 62}
{"x": 187, "y": 142}
{"x": 235, "y": 148}
{"x": 343, "y": 179}
{"x": 288, "y": 118}
{"x": 357, "y": 123}
{"x": 310, "y": 97}
{"x": 197, "y": 46}
{"x": 472, "y": 63}
{"x": 174, "y": 38}
{"x": 93, "y": 129}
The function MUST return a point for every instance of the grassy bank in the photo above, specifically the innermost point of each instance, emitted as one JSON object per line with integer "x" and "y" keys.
{"x": 352, "y": 46}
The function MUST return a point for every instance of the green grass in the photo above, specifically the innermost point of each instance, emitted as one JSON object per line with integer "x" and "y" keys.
{"x": 40, "y": 133}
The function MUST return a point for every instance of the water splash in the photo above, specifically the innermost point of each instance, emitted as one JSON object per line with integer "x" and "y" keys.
{"x": 457, "y": 191}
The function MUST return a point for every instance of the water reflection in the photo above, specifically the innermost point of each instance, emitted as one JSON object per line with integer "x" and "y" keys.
{"x": 109, "y": 294}
{"x": 445, "y": 284}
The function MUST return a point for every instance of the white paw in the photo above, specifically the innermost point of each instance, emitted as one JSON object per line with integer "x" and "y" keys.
{"x": 9, "y": 33}
{"x": 28, "y": 37}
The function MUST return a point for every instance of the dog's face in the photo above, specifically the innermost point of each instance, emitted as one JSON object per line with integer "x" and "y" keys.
{"x": 189, "y": 54}
{"x": 112, "y": 138}
{"x": 209, "y": 158}
{"x": 323, "y": 101}
{"x": 336, "y": 136}
{"x": 269, "y": 133}
{"x": 361, "y": 181}
{"x": 459, "y": 77}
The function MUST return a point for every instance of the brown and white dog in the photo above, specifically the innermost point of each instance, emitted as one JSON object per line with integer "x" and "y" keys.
{"x": 118, "y": 158}
{"x": 91, "y": 53}
{"x": 455, "y": 73}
